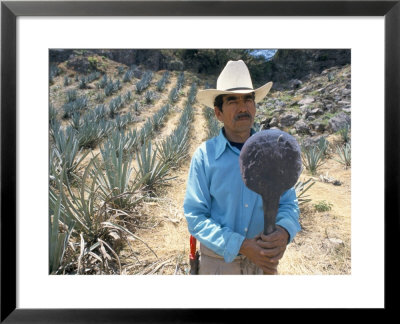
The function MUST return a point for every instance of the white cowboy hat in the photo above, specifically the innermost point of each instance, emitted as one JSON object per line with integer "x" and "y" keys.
{"x": 234, "y": 78}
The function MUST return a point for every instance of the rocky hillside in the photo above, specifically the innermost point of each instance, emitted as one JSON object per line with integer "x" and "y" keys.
{"x": 303, "y": 64}
{"x": 310, "y": 108}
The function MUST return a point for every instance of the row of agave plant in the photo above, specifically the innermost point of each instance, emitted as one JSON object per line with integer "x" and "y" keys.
{"x": 213, "y": 126}
{"x": 93, "y": 125}
{"x": 88, "y": 212}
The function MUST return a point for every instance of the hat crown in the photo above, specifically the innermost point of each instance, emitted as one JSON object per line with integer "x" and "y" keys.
{"x": 235, "y": 75}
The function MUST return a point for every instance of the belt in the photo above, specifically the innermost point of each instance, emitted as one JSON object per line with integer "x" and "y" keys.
{"x": 206, "y": 251}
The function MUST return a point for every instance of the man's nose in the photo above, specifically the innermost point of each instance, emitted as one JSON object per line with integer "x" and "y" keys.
{"x": 242, "y": 104}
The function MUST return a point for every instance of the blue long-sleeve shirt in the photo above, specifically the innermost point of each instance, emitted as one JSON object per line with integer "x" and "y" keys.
{"x": 220, "y": 210}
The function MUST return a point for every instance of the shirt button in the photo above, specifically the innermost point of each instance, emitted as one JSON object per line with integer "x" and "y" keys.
{"x": 246, "y": 205}
{"x": 245, "y": 229}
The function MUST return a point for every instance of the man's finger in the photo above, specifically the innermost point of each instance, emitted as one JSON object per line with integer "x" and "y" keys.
{"x": 271, "y": 253}
{"x": 271, "y": 245}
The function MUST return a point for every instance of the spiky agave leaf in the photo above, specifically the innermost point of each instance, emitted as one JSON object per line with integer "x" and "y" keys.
{"x": 115, "y": 184}
{"x": 312, "y": 158}
{"x": 67, "y": 149}
{"x": 344, "y": 153}
{"x": 301, "y": 188}
{"x": 57, "y": 240}
{"x": 151, "y": 172}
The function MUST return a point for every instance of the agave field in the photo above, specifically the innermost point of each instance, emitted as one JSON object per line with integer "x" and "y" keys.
{"x": 106, "y": 160}
{"x": 120, "y": 145}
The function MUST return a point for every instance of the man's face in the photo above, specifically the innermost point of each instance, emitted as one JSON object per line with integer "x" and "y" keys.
{"x": 237, "y": 113}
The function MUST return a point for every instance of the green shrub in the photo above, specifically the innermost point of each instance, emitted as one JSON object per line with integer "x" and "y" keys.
{"x": 322, "y": 206}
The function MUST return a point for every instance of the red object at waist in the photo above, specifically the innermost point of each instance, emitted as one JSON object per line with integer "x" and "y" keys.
{"x": 192, "y": 247}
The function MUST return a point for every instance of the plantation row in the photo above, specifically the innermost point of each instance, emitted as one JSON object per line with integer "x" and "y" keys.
{"x": 88, "y": 210}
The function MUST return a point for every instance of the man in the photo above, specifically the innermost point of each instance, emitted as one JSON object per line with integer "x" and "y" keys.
{"x": 222, "y": 213}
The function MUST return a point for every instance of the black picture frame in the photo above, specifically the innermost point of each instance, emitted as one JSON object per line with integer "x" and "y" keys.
{"x": 10, "y": 10}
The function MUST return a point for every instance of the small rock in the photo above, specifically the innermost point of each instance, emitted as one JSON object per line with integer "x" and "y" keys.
{"x": 288, "y": 119}
{"x": 336, "y": 241}
{"x": 338, "y": 122}
{"x": 306, "y": 101}
{"x": 273, "y": 122}
{"x": 301, "y": 127}
{"x": 295, "y": 84}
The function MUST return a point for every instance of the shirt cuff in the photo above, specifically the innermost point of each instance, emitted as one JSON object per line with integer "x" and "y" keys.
{"x": 291, "y": 228}
{"x": 232, "y": 247}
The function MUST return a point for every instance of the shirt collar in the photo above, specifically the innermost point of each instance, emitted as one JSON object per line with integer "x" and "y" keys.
{"x": 222, "y": 142}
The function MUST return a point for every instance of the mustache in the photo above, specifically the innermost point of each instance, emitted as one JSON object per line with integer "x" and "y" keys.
{"x": 242, "y": 115}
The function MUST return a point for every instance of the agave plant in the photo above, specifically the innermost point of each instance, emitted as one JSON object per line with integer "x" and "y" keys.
{"x": 192, "y": 93}
{"x": 128, "y": 97}
{"x": 149, "y": 96}
{"x": 70, "y": 95}
{"x": 83, "y": 83}
{"x": 301, "y": 188}
{"x": 100, "y": 112}
{"x": 323, "y": 145}
{"x": 92, "y": 132}
{"x": 58, "y": 240}
{"x": 136, "y": 106}
{"x": 93, "y": 76}
{"x": 103, "y": 82}
{"x": 158, "y": 118}
{"x": 181, "y": 80}
{"x": 114, "y": 105}
{"x": 95, "y": 224}
{"x": 212, "y": 123}
{"x": 344, "y": 153}
{"x": 160, "y": 85}
{"x": 115, "y": 184}
{"x": 121, "y": 122}
{"x": 146, "y": 131}
{"x": 144, "y": 82}
{"x": 76, "y": 121}
{"x": 128, "y": 76}
{"x": 174, "y": 95}
{"x": 67, "y": 81}
{"x": 73, "y": 106}
{"x": 174, "y": 148}
{"x": 67, "y": 150}
{"x": 52, "y": 112}
{"x": 151, "y": 171}
{"x": 345, "y": 133}
{"x": 109, "y": 89}
{"x": 129, "y": 141}
{"x": 312, "y": 158}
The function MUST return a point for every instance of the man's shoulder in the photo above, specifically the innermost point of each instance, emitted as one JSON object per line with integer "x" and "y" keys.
{"x": 206, "y": 148}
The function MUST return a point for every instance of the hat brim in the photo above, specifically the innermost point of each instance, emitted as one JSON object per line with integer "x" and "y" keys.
{"x": 207, "y": 97}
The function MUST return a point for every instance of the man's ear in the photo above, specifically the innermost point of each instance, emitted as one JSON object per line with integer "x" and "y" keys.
{"x": 218, "y": 113}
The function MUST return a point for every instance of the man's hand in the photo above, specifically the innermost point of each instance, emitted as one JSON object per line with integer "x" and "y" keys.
{"x": 266, "y": 250}
{"x": 274, "y": 244}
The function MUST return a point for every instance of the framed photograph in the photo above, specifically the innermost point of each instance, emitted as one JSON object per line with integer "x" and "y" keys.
{"x": 369, "y": 29}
